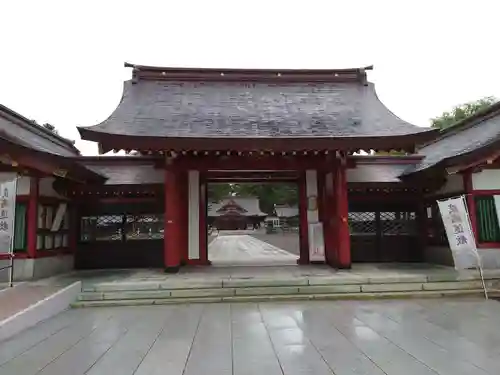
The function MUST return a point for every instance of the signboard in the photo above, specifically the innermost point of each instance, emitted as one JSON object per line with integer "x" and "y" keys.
{"x": 316, "y": 243}
{"x": 8, "y": 185}
{"x": 459, "y": 232}
{"x": 61, "y": 211}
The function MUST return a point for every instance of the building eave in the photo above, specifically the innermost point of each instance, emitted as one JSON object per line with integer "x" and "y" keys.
{"x": 110, "y": 142}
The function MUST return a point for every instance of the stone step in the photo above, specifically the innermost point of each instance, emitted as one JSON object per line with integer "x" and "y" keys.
{"x": 287, "y": 297}
{"x": 103, "y": 296}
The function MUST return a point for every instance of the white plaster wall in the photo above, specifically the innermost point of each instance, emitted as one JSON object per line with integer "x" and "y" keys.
{"x": 490, "y": 258}
{"x": 23, "y": 183}
{"x": 312, "y": 190}
{"x": 23, "y": 269}
{"x": 454, "y": 184}
{"x": 487, "y": 179}
{"x": 49, "y": 266}
{"x": 194, "y": 215}
{"x": 23, "y": 186}
{"x": 28, "y": 269}
{"x": 45, "y": 188}
{"x": 312, "y": 215}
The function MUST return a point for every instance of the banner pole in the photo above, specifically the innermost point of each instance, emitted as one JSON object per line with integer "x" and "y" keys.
{"x": 11, "y": 271}
{"x": 479, "y": 260}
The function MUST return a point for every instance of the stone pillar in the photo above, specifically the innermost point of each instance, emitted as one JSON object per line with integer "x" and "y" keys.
{"x": 32, "y": 218}
{"x": 173, "y": 238}
{"x": 303, "y": 226}
{"x": 341, "y": 213}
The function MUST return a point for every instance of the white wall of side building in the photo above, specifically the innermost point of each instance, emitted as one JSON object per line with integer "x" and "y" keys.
{"x": 487, "y": 179}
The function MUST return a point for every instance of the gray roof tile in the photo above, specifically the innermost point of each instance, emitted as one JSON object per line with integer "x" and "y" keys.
{"x": 24, "y": 131}
{"x": 254, "y": 109}
{"x": 456, "y": 143}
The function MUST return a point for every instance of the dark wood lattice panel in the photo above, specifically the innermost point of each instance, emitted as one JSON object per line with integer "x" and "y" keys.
{"x": 397, "y": 223}
{"x": 144, "y": 227}
{"x": 362, "y": 223}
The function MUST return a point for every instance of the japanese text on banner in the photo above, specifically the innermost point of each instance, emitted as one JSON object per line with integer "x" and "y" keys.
{"x": 7, "y": 212}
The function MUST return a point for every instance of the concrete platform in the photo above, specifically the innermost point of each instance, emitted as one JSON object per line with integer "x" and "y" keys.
{"x": 214, "y": 284}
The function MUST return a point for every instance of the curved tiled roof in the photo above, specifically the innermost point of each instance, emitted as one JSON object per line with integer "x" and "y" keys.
{"x": 265, "y": 108}
{"x": 475, "y": 133}
{"x": 228, "y": 109}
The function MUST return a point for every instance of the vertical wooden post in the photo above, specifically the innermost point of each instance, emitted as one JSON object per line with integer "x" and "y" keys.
{"x": 32, "y": 218}
{"x": 303, "y": 225}
{"x": 74, "y": 225}
{"x": 342, "y": 213}
{"x": 173, "y": 212}
{"x": 422, "y": 227}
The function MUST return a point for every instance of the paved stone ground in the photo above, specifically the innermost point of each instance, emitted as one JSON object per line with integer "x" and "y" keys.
{"x": 243, "y": 249}
{"x": 456, "y": 337}
{"x": 286, "y": 241}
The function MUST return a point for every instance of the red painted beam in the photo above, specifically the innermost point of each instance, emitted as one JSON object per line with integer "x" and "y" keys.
{"x": 32, "y": 218}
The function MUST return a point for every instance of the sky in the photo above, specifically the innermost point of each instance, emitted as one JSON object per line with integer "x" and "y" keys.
{"x": 62, "y": 61}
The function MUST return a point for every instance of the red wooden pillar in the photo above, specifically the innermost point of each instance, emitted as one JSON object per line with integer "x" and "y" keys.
{"x": 342, "y": 211}
{"x": 471, "y": 203}
{"x": 330, "y": 222}
{"x": 32, "y": 218}
{"x": 303, "y": 225}
{"x": 173, "y": 237}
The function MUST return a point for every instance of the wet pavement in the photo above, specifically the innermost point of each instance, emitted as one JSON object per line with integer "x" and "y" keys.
{"x": 244, "y": 249}
{"x": 418, "y": 337}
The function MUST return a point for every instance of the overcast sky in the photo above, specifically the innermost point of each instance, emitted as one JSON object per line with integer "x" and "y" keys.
{"x": 63, "y": 64}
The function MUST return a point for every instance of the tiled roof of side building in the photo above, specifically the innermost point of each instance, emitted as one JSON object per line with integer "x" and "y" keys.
{"x": 279, "y": 107}
{"x": 471, "y": 134}
{"x": 124, "y": 170}
{"x": 20, "y": 128}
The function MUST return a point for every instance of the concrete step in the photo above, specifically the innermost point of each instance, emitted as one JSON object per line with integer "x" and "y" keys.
{"x": 143, "y": 293}
{"x": 287, "y": 297}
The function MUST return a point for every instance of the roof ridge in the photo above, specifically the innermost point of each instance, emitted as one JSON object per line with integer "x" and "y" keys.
{"x": 32, "y": 125}
{"x": 466, "y": 123}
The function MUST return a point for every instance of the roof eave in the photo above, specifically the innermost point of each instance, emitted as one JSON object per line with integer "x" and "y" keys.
{"x": 109, "y": 142}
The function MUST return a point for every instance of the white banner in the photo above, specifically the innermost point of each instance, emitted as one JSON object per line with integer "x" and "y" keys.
{"x": 316, "y": 243}
{"x": 459, "y": 232}
{"x": 496, "y": 199}
{"x": 7, "y": 211}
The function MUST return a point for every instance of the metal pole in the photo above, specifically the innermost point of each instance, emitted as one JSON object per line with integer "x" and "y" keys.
{"x": 479, "y": 261}
{"x": 480, "y": 267}
{"x": 11, "y": 271}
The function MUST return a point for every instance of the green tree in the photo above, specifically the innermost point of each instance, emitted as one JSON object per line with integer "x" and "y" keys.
{"x": 216, "y": 192}
{"x": 268, "y": 194}
{"x": 461, "y": 111}
{"x": 50, "y": 127}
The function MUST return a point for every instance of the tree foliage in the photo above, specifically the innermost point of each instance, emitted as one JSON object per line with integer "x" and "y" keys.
{"x": 461, "y": 111}
{"x": 268, "y": 194}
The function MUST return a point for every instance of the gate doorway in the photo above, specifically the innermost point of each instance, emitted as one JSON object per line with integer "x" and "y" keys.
{"x": 253, "y": 222}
